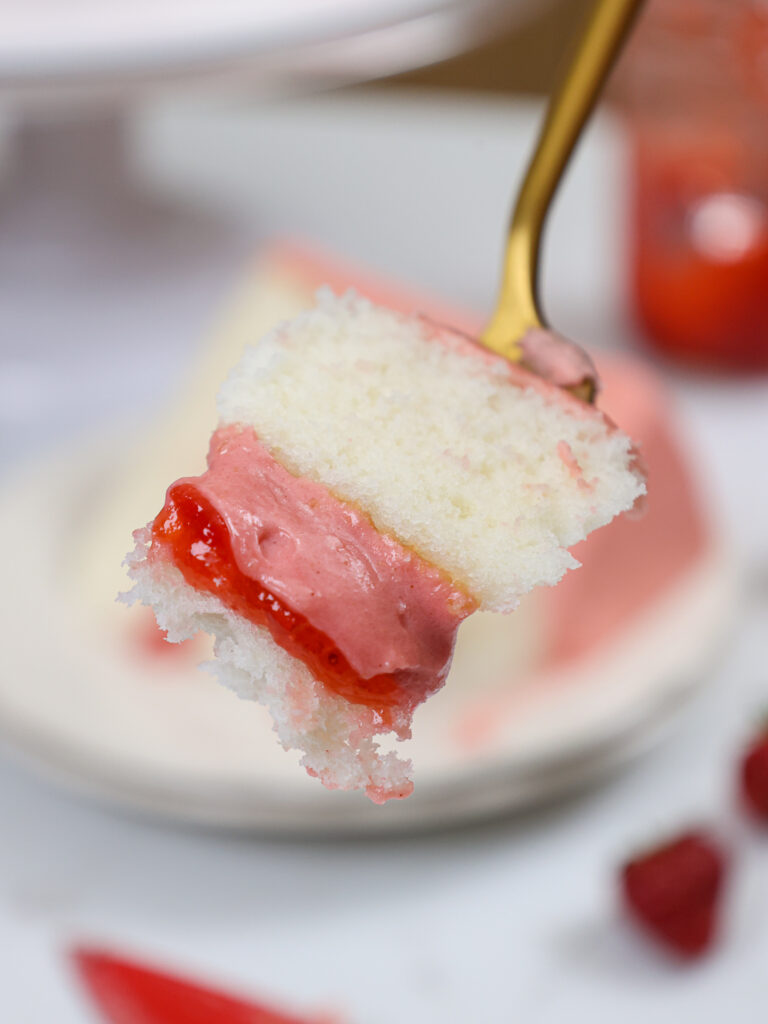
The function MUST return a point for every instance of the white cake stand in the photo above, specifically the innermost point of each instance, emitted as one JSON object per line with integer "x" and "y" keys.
{"x": 92, "y": 256}
{"x": 55, "y": 52}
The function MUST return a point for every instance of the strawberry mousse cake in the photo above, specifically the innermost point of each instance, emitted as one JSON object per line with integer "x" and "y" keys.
{"x": 373, "y": 480}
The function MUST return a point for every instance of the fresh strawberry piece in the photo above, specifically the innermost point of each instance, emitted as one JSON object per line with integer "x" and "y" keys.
{"x": 754, "y": 777}
{"x": 130, "y": 993}
{"x": 673, "y": 892}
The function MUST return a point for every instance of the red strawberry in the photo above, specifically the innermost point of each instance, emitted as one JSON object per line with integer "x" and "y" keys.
{"x": 673, "y": 892}
{"x": 754, "y": 777}
{"x": 130, "y": 993}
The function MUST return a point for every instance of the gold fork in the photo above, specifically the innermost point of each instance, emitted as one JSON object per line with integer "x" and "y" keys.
{"x": 518, "y": 309}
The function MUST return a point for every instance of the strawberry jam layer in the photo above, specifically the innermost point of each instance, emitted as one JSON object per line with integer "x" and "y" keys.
{"x": 370, "y": 619}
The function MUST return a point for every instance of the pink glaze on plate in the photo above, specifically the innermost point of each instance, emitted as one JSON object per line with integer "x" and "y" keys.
{"x": 628, "y": 563}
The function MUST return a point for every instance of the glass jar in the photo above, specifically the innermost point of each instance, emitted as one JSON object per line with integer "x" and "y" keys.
{"x": 694, "y": 90}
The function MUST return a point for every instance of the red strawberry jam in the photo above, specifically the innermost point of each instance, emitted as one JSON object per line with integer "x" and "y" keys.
{"x": 368, "y": 618}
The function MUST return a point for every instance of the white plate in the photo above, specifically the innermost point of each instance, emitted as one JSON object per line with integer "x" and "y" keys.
{"x": 81, "y": 697}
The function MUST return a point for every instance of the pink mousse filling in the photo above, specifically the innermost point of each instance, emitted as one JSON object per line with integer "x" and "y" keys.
{"x": 391, "y": 615}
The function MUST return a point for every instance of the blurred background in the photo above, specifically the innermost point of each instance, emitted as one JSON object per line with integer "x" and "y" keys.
{"x": 174, "y": 179}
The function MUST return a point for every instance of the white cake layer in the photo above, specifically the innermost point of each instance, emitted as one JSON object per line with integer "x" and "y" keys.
{"x": 486, "y": 478}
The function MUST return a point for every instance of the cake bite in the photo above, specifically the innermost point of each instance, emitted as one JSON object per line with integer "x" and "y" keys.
{"x": 373, "y": 480}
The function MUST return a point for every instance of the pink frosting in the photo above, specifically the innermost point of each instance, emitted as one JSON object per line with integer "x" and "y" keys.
{"x": 557, "y": 359}
{"x": 384, "y": 607}
{"x": 528, "y": 375}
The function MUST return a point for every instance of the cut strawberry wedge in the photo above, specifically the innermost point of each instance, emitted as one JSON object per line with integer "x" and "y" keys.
{"x": 127, "y": 992}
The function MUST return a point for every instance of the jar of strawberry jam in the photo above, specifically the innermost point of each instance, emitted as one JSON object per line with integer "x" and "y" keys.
{"x": 694, "y": 90}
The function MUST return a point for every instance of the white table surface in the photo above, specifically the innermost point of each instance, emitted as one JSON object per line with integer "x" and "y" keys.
{"x": 509, "y": 922}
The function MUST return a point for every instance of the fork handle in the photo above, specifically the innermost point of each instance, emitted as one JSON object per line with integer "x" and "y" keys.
{"x": 518, "y": 307}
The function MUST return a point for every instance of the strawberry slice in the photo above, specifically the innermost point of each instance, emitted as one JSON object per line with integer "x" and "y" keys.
{"x": 673, "y": 892}
{"x": 754, "y": 777}
{"x": 127, "y": 992}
